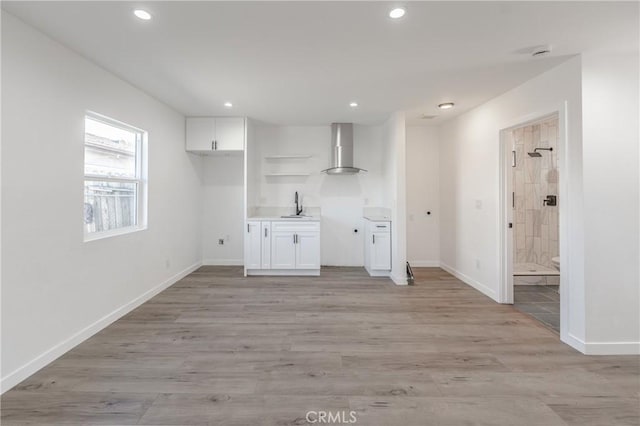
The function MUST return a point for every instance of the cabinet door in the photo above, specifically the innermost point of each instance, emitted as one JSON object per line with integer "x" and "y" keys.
{"x": 253, "y": 246}
{"x": 380, "y": 250}
{"x": 266, "y": 245}
{"x": 200, "y": 133}
{"x": 283, "y": 250}
{"x": 229, "y": 134}
{"x": 307, "y": 250}
{"x": 368, "y": 245}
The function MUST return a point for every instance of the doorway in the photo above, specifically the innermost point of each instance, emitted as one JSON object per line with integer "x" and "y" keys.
{"x": 531, "y": 200}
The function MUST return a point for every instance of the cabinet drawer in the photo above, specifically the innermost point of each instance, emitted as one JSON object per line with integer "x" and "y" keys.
{"x": 380, "y": 227}
{"x": 294, "y": 226}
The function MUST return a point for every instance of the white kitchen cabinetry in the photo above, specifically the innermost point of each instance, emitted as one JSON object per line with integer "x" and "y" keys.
{"x": 253, "y": 245}
{"x": 378, "y": 248}
{"x": 266, "y": 246}
{"x": 308, "y": 250}
{"x": 283, "y": 250}
{"x": 285, "y": 247}
{"x": 207, "y": 135}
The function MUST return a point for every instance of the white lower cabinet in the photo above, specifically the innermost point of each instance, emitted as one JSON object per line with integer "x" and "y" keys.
{"x": 252, "y": 246}
{"x": 283, "y": 250}
{"x": 286, "y": 248}
{"x": 308, "y": 250}
{"x": 378, "y": 248}
{"x": 266, "y": 246}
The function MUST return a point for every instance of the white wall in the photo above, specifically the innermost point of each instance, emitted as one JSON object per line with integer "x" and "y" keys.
{"x": 611, "y": 198}
{"x": 395, "y": 192}
{"x": 56, "y": 289}
{"x": 469, "y": 186}
{"x": 423, "y": 194}
{"x": 340, "y": 198}
{"x": 223, "y": 210}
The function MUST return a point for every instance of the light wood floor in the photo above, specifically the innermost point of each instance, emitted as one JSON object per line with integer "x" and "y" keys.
{"x": 220, "y": 349}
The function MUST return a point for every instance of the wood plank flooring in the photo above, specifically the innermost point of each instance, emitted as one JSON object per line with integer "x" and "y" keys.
{"x": 220, "y": 349}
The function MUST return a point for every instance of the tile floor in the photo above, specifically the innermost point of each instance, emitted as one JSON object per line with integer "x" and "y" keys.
{"x": 541, "y": 302}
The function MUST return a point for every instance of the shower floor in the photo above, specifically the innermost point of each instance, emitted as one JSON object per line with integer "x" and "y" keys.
{"x": 533, "y": 269}
{"x": 542, "y": 302}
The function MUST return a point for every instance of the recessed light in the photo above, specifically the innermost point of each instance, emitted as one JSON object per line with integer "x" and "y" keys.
{"x": 353, "y": 104}
{"x": 446, "y": 105}
{"x": 142, "y": 14}
{"x": 397, "y": 12}
{"x": 228, "y": 104}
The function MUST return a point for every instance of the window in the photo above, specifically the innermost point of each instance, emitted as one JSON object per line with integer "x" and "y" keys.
{"x": 114, "y": 177}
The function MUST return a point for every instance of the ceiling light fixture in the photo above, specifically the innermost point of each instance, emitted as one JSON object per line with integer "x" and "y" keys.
{"x": 397, "y": 12}
{"x": 142, "y": 14}
{"x": 353, "y": 104}
{"x": 228, "y": 104}
{"x": 446, "y": 105}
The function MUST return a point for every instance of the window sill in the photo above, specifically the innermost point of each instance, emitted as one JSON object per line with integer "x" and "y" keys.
{"x": 113, "y": 233}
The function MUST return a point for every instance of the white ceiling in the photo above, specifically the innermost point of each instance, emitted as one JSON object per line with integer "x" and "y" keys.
{"x": 303, "y": 62}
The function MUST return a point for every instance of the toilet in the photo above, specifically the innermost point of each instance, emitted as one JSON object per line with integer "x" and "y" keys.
{"x": 555, "y": 261}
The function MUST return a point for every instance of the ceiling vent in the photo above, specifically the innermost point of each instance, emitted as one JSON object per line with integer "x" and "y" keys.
{"x": 539, "y": 51}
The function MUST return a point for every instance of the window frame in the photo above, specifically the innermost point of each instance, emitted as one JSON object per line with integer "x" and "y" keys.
{"x": 140, "y": 180}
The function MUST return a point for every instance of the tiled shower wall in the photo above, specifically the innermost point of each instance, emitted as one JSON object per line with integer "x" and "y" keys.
{"x": 536, "y": 226}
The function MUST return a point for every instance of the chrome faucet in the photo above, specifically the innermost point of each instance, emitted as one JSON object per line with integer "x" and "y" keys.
{"x": 298, "y": 206}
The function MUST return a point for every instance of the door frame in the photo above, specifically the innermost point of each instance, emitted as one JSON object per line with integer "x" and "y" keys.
{"x": 505, "y": 256}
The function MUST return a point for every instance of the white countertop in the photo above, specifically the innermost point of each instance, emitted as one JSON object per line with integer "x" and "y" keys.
{"x": 373, "y": 218}
{"x": 287, "y": 219}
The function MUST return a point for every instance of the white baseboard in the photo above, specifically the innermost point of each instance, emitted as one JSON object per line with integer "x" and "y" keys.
{"x": 470, "y": 281}
{"x": 284, "y": 272}
{"x": 42, "y": 360}
{"x": 223, "y": 262}
{"x": 573, "y": 341}
{"x": 424, "y": 263}
{"x": 602, "y": 348}
{"x": 399, "y": 279}
{"x": 612, "y": 348}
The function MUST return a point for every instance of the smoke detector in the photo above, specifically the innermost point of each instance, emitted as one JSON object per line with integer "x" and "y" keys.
{"x": 427, "y": 117}
{"x": 539, "y": 51}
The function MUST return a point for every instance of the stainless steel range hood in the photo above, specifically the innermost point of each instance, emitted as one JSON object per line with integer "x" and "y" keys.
{"x": 342, "y": 150}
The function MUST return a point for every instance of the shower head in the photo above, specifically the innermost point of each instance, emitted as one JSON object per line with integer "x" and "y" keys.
{"x": 536, "y": 154}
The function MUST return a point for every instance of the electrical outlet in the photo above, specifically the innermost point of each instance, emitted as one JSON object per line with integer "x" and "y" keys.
{"x": 479, "y": 204}
{"x": 477, "y": 263}
{"x": 221, "y": 241}
{"x": 167, "y": 263}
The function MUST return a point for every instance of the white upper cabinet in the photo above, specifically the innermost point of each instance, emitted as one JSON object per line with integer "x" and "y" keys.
{"x": 230, "y": 134}
{"x": 215, "y": 134}
{"x": 201, "y": 133}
